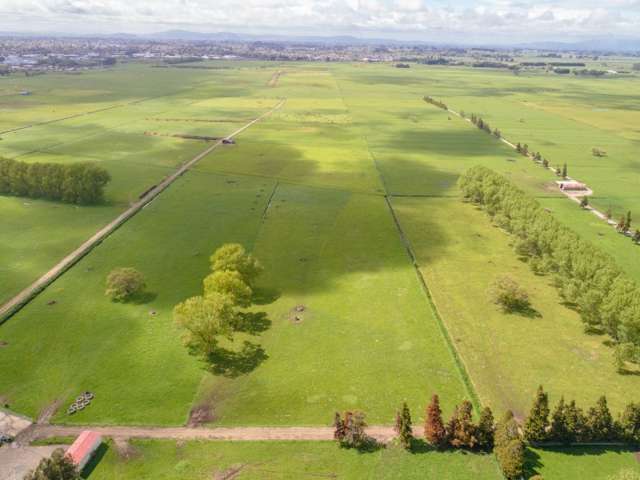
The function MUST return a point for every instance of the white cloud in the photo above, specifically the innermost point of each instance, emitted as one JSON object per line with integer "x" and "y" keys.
{"x": 489, "y": 18}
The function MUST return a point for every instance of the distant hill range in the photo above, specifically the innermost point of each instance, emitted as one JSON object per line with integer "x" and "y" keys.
{"x": 596, "y": 44}
{"x": 608, "y": 44}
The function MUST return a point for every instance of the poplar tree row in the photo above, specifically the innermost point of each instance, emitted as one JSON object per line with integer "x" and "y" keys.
{"x": 484, "y": 125}
{"x": 79, "y": 183}
{"x": 587, "y": 278}
{"x": 435, "y": 103}
{"x": 569, "y": 424}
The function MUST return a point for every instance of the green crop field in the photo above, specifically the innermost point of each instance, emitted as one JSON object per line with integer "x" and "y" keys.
{"x": 304, "y": 190}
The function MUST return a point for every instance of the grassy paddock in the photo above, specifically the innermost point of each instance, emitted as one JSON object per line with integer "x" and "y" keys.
{"x": 508, "y": 355}
{"x": 285, "y": 460}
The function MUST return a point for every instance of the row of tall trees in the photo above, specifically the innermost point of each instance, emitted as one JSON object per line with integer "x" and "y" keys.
{"x": 569, "y": 424}
{"x": 436, "y": 103}
{"x": 587, "y": 278}
{"x": 459, "y": 432}
{"x": 79, "y": 183}
{"x": 484, "y": 125}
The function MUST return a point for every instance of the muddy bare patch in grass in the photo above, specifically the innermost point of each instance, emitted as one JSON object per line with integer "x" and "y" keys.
{"x": 230, "y": 473}
{"x": 200, "y": 415}
{"x": 125, "y": 450}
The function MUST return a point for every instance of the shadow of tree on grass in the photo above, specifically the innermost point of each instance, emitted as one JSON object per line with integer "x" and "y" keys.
{"x": 232, "y": 364}
{"x": 253, "y": 323}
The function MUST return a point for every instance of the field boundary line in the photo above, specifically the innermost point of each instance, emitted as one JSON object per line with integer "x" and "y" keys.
{"x": 269, "y": 200}
{"x": 462, "y": 368}
{"x": 26, "y": 295}
{"x": 457, "y": 359}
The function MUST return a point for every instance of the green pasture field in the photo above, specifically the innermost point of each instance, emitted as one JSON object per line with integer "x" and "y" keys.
{"x": 120, "y": 139}
{"x": 421, "y": 150}
{"x": 304, "y": 191}
{"x": 595, "y": 463}
{"x": 285, "y": 460}
{"x": 563, "y": 118}
{"x": 147, "y": 459}
{"x": 460, "y": 253}
{"x": 368, "y": 338}
{"x": 130, "y": 355}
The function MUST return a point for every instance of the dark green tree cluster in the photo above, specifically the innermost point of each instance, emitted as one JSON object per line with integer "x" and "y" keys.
{"x": 436, "y": 103}
{"x": 569, "y": 424}
{"x": 607, "y": 299}
{"x": 79, "y": 183}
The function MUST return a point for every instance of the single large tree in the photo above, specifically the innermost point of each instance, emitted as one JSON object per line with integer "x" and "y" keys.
{"x": 234, "y": 257}
{"x": 124, "y": 284}
{"x": 403, "y": 426}
{"x": 434, "y": 430}
{"x": 535, "y": 427}
{"x": 508, "y": 294}
{"x": 57, "y": 467}
{"x": 204, "y": 320}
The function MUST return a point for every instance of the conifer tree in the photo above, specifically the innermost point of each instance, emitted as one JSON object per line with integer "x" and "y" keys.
{"x": 574, "y": 421}
{"x": 627, "y": 222}
{"x": 599, "y": 422}
{"x": 403, "y": 426}
{"x": 559, "y": 432}
{"x": 486, "y": 430}
{"x": 509, "y": 448}
{"x": 338, "y": 427}
{"x": 564, "y": 171}
{"x": 461, "y": 431}
{"x": 630, "y": 423}
{"x": 535, "y": 427}
{"x": 434, "y": 430}
{"x": 621, "y": 224}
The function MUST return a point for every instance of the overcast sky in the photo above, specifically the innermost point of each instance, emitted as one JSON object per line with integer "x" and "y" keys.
{"x": 484, "y": 20}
